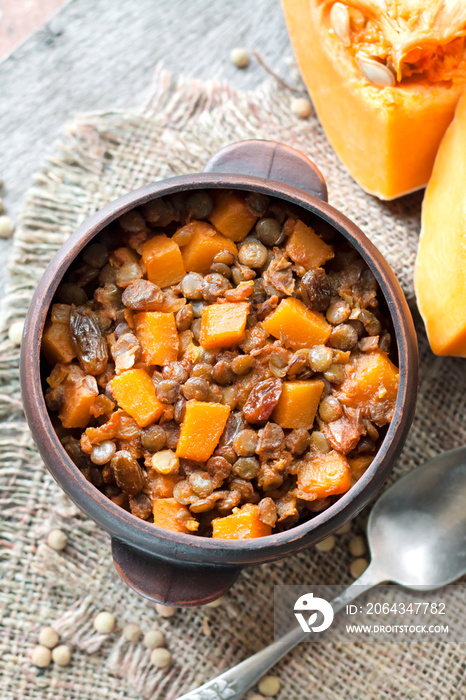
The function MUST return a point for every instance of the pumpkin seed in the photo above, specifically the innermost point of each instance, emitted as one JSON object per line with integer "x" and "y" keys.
{"x": 340, "y": 21}
{"x": 377, "y": 73}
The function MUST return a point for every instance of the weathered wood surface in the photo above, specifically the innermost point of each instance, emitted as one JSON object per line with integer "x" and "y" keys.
{"x": 101, "y": 54}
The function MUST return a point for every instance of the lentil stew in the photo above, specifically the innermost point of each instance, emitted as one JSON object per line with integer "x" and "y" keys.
{"x": 218, "y": 366}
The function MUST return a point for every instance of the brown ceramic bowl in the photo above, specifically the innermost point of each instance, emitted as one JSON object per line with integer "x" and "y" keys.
{"x": 179, "y": 569}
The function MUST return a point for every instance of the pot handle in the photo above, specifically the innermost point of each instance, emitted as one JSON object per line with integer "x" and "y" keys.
{"x": 270, "y": 160}
{"x": 169, "y": 582}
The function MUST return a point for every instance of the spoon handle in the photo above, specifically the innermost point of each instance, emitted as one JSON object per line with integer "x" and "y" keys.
{"x": 232, "y": 684}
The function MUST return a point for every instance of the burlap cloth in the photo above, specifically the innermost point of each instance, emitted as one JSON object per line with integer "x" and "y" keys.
{"x": 101, "y": 157}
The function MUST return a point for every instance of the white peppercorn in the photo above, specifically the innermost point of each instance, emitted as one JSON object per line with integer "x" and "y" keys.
{"x": 161, "y": 657}
{"x": 15, "y": 332}
{"x": 344, "y": 529}
{"x": 57, "y": 540}
{"x": 239, "y": 58}
{"x": 153, "y": 639}
{"x": 165, "y": 610}
{"x": 7, "y": 226}
{"x": 132, "y": 632}
{"x": 358, "y": 567}
{"x": 326, "y": 545}
{"x": 48, "y": 637}
{"x": 301, "y": 107}
{"x": 216, "y": 603}
{"x": 41, "y": 656}
{"x": 357, "y": 546}
{"x": 61, "y": 655}
{"x": 269, "y": 686}
{"x": 104, "y": 622}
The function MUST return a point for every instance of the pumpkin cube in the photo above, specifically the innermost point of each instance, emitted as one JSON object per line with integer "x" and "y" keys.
{"x": 232, "y": 216}
{"x": 298, "y": 403}
{"x": 202, "y": 426}
{"x": 56, "y": 343}
{"x": 306, "y": 248}
{"x": 171, "y": 515}
{"x": 242, "y": 524}
{"x": 223, "y": 325}
{"x": 297, "y": 326}
{"x": 371, "y": 384}
{"x": 78, "y": 400}
{"x": 163, "y": 260}
{"x": 156, "y": 331}
{"x": 204, "y": 245}
{"x": 324, "y": 475}
{"x": 134, "y": 392}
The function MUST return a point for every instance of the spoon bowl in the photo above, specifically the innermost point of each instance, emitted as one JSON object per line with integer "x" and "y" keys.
{"x": 417, "y": 537}
{"x": 417, "y": 528}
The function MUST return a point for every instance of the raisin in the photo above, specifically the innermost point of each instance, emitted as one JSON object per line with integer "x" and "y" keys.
{"x": 315, "y": 289}
{"x": 262, "y": 400}
{"x": 128, "y": 474}
{"x": 88, "y": 340}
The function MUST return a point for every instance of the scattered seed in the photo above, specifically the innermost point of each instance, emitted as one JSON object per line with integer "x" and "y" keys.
{"x": 153, "y": 639}
{"x": 48, "y": 637}
{"x": 15, "y": 332}
{"x": 301, "y": 107}
{"x": 239, "y": 58}
{"x": 7, "y": 226}
{"x": 340, "y": 21}
{"x": 357, "y": 546}
{"x": 57, "y": 540}
{"x": 326, "y": 545}
{"x": 269, "y": 686}
{"x": 161, "y": 658}
{"x": 358, "y": 567}
{"x": 165, "y": 610}
{"x": 104, "y": 622}
{"x": 132, "y": 632}
{"x": 62, "y": 655}
{"x": 343, "y": 529}
{"x": 216, "y": 603}
{"x": 41, "y": 656}
{"x": 377, "y": 73}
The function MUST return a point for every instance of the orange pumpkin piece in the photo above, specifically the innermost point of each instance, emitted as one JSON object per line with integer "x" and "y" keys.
{"x": 298, "y": 403}
{"x": 163, "y": 260}
{"x": 386, "y": 132}
{"x": 306, "y": 248}
{"x": 223, "y": 324}
{"x": 201, "y": 429}
{"x": 78, "y": 400}
{"x": 297, "y": 326}
{"x": 156, "y": 331}
{"x": 371, "y": 384}
{"x": 134, "y": 391}
{"x": 161, "y": 485}
{"x": 171, "y": 515}
{"x": 232, "y": 216}
{"x": 204, "y": 245}
{"x": 56, "y": 343}
{"x": 440, "y": 274}
{"x": 242, "y": 524}
{"x": 324, "y": 475}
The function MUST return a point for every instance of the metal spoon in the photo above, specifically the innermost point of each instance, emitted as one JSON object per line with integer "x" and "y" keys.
{"x": 417, "y": 535}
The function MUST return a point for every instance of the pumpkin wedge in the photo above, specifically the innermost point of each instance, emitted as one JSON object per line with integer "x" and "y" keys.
{"x": 440, "y": 272}
{"x": 384, "y": 78}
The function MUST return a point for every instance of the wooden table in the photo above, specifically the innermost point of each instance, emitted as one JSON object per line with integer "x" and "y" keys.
{"x": 101, "y": 54}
